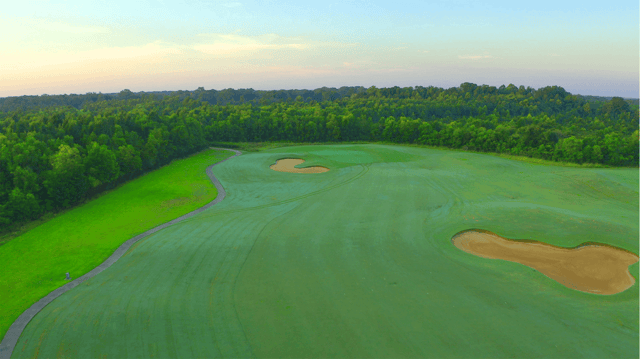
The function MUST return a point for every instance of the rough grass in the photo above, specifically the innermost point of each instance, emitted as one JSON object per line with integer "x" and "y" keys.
{"x": 78, "y": 240}
{"x": 358, "y": 262}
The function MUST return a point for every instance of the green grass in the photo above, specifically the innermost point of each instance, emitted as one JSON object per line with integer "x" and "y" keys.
{"x": 263, "y": 146}
{"x": 358, "y": 262}
{"x": 79, "y": 239}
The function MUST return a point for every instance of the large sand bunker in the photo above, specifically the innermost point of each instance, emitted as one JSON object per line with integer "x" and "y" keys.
{"x": 287, "y": 165}
{"x": 595, "y": 269}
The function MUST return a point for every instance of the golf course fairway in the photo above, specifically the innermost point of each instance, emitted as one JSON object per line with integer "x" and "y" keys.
{"x": 358, "y": 261}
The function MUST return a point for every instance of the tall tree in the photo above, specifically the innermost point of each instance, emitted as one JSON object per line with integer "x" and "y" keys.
{"x": 66, "y": 184}
{"x": 129, "y": 160}
{"x": 101, "y": 165}
{"x": 22, "y": 206}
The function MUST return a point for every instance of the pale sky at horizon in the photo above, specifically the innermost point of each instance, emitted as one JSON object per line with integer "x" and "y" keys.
{"x": 69, "y": 46}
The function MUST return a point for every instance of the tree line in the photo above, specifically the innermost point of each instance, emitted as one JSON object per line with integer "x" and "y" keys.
{"x": 54, "y": 157}
{"x": 260, "y": 97}
{"x": 214, "y": 97}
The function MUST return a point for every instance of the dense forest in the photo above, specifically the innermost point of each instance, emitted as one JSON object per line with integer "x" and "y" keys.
{"x": 224, "y": 97}
{"x": 214, "y": 97}
{"x": 56, "y": 151}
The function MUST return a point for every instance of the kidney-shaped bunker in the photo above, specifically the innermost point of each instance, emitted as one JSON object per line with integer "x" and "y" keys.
{"x": 592, "y": 268}
{"x": 287, "y": 165}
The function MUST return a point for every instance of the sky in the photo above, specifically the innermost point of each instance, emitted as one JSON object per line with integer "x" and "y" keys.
{"x": 67, "y": 46}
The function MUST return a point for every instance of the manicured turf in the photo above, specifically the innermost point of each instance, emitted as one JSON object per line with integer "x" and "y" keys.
{"x": 358, "y": 262}
{"x": 77, "y": 241}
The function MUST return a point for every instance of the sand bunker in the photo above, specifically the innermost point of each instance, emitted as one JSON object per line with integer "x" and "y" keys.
{"x": 287, "y": 165}
{"x": 595, "y": 269}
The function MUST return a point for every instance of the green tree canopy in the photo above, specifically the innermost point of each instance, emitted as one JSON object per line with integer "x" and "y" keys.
{"x": 101, "y": 165}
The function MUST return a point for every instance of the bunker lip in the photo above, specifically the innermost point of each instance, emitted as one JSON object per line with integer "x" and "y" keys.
{"x": 287, "y": 165}
{"x": 590, "y": 267}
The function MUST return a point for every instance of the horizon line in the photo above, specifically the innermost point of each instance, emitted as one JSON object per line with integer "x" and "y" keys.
{"x": 294, "y": 89}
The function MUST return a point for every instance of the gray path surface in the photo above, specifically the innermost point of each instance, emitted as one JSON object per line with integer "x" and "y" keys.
{"x": 11, "y": 337}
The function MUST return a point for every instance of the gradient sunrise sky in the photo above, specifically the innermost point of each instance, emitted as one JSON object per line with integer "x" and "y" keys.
{"x": 67, "y": 46}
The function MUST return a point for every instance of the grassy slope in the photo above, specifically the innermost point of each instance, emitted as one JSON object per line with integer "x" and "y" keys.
{"x": 78, "y": 240}
{"x": 357, "y": 262}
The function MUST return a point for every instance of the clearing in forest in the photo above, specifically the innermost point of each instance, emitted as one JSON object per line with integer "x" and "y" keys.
{"x": 358, "y": 261}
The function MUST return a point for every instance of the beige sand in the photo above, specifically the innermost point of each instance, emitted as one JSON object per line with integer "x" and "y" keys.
{"x": 287, "y": 165}
{"x": 595, "y": 269}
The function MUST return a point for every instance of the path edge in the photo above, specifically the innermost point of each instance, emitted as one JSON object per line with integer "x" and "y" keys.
{"x": 17, "y": 327}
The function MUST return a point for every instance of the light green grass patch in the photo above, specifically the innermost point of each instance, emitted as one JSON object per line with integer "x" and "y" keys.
{"x": 35, "y": 263}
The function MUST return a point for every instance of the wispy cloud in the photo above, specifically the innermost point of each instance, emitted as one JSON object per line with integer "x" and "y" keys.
{"x": 205, "y": 50}
{"x": 22, "y": 27}
{"x": 31, "y": 60}
{"x": 73, "y": 29}
{"x": 361, "y": 63}
{"x": 204, "y": 53}
{"x": 474, "y": 57}
{"x": 232, "y": 44}
{"x": 391, "y": 70}
{"x": 46, "y": 38}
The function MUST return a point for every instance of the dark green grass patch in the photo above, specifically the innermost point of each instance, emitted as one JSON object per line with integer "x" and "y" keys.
{"x": 358, "y": 262}
{"x": 35, "y": 263}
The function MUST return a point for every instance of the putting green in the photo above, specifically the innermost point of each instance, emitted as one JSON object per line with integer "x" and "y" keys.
{"x": 358, "y": 262}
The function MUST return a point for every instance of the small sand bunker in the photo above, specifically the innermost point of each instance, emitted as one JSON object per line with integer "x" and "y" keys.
{"x": 598, "y": 269}
{"x": 287, "y": 165}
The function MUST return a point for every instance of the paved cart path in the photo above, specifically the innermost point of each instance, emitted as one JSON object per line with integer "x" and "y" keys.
{"x": 11, "y": 337}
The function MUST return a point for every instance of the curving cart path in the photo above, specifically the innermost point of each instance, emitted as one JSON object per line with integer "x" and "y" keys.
{"x": 11, "y": 337}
